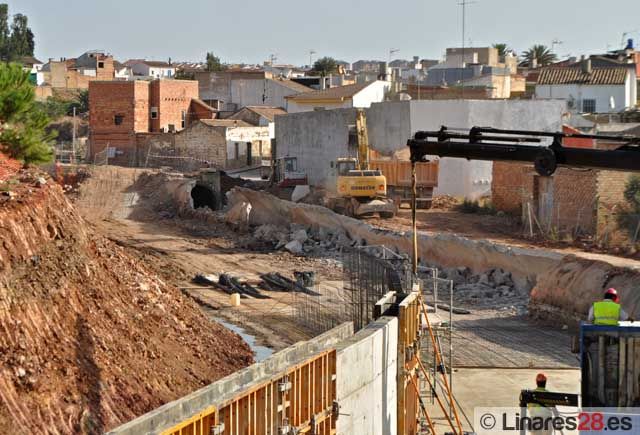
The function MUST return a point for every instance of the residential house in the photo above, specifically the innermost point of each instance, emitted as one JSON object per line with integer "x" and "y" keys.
{"x": 457, "y": 57}
{"x": 122, "y": 71}
{"x": 260, "y": 116}
{"x": 76, "y": 73}
{"x": 366, "y": 66}
{"x": 589, "y": 89}
{"x": 34, "y": 67}
{"x": 220, "y": 143}
{"x": 356, "y": 95}
{"x": 151, "y": 68}
{"x": 229, "y": 91}
{"x": 119, "y": 110}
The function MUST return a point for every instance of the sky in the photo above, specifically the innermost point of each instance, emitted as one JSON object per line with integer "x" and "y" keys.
{"x": 250, "y": 31}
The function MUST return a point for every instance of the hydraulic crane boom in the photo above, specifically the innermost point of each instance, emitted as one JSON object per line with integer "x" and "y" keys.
{"x": 524, "y": 146}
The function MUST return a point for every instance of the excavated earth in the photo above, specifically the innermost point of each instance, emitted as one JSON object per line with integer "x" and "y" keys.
{"x": 89, "y": 337}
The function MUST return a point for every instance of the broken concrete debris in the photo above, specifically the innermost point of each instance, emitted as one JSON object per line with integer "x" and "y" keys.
{"x": 300, "y": 192}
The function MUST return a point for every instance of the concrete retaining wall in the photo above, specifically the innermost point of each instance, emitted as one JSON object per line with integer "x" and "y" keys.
{"x": 224, "y": 390}
{"x": 366, "y": 380}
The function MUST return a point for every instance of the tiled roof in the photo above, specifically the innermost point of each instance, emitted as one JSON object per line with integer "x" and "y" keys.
{"x": 293, "y": 85}
{"x": 267, "y": 112}
{"x": 30, "y": 60}
{"x": 225, "y": 123}
{"x": 337, "y": 93}
{"x": 575, "y": 76}
{"x": 157, "y": 64}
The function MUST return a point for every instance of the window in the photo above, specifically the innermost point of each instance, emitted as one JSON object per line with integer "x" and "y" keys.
{"x": 100, "y": 64}
{"x": 118, "y": 119}
{"x": 154, "y": 113}
{"x": 589, "y": 105}
{"x": 184, "y": 118}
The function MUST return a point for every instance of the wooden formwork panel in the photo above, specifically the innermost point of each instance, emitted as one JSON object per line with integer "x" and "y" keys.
{"x": 408, "y": 354}
{"x": 300, "y": 397}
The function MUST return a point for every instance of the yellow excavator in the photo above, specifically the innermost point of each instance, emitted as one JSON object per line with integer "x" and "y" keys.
{"x": 361, "y": 191}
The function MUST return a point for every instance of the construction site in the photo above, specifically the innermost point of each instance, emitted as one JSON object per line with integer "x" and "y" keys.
{"x": 173, "y": 299}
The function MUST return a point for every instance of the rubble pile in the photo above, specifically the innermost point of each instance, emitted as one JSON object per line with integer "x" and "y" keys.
{"x": 494, "y": 289}
{"x": 300, "y": 240}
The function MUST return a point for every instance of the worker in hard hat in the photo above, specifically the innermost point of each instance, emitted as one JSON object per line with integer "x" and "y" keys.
{"x": 608, "y": 311}
{"x": 537, "y": 410}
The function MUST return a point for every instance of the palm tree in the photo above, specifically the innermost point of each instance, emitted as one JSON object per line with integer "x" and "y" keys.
{"x": 503, "y": 49}
{"x": 325, "y": 66}
{"x": 541, "y": 53}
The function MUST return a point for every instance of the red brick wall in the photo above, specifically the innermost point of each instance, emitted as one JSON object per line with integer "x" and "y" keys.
{"x": 512, "y": 186}
{"x": 172, "y": 97}
{"x": 611, "y": 185}
{"x": 106, "y": 101}
{"x": 572, "y": 202}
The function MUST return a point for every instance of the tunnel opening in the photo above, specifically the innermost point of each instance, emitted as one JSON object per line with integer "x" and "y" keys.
{"x": 203, "y": 197}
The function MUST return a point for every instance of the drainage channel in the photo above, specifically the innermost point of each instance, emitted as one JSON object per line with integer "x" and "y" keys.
{"x": 262, "y": 352}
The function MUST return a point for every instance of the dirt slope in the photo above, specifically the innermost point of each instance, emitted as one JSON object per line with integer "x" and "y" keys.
{"x": 89, "y": 337}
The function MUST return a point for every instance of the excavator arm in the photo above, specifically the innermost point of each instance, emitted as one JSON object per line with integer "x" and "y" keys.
{"x": 363, "y": 140}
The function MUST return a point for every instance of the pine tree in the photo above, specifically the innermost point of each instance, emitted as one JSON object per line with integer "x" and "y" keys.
{"x": 23, "y": 135}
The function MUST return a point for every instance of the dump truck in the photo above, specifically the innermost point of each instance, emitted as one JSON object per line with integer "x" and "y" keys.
{"x": 398, "y": 175}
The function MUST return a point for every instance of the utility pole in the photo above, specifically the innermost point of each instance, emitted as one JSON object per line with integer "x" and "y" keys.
{"x": 73, "y": 140}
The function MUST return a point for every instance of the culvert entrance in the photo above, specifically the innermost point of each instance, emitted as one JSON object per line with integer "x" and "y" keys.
{"x": 203, "y": 197}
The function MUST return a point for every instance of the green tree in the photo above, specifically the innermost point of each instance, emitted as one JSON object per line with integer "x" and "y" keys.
{"x": 503, "y": 49}
{"x": 325, "y": 66}
{"x": 21, "y": 41}
{"x": 541, "y": 53}
{"x": 213, "y": 63}
{"x": 4, "y": 32}
{"x": 23, "y": 134}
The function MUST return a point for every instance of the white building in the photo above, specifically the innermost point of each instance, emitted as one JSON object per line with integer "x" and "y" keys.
{"x": 34, "y": 67}
{"x": 150, "y": 68}
{"x": 230, "y": 91}
{"x": 260, "y": 116}
{"x": 590, "y": 90}
{"x": 360, "y": 95}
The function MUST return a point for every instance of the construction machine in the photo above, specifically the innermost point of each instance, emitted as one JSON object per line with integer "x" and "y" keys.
{"x": 360, "y": 190}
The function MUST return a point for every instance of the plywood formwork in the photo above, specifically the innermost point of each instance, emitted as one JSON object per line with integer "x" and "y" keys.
{"x": 301, "y": 397}
{"x": 408, "y": 354}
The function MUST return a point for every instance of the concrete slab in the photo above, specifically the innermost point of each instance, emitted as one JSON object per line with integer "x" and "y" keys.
{"x": 500, "y": 388}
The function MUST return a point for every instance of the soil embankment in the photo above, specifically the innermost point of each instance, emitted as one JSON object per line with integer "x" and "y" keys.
{"x": 89, "y": 337}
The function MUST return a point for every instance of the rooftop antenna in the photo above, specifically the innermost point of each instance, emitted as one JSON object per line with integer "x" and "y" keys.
{"x": 623, "y": 41}
{"x": 311, "y": 53}
{"x": 393, "y": 51}
{"x": 464, "y": 4}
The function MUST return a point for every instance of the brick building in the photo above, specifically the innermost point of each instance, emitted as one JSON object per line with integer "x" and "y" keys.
{"x": 119, "y": 110}
{"x": 572, "y": 200}
{"x": 221, "y": 143}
